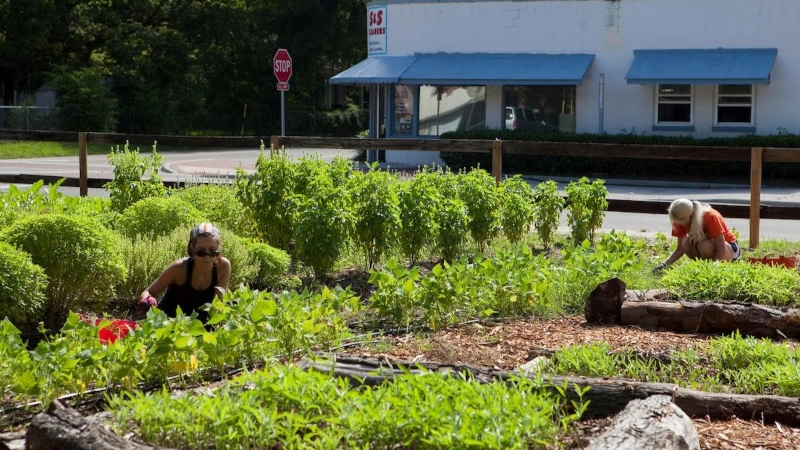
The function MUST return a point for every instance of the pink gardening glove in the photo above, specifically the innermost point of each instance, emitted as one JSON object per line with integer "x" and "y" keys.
{"x": 149, "y": 300}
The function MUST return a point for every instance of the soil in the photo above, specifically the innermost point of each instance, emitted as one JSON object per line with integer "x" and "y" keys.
{"x": 506, "y": 346}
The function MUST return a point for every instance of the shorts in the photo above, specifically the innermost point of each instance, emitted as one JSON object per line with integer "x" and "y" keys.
{"x": 737, "y": 252}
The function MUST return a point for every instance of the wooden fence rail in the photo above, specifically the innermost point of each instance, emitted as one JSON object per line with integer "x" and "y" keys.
{"x": 496, "y": 148}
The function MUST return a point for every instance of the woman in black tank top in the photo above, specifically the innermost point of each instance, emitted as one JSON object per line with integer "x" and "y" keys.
{"x": 192, "y": 282}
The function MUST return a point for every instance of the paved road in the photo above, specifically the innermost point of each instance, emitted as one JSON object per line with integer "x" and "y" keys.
{"x": 186, "y": 165}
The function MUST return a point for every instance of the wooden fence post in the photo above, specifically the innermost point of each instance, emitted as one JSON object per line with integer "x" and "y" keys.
{"x": 756, "y": 155}
{"x": 497, "y": 160}
{"x": 83, "y": 163}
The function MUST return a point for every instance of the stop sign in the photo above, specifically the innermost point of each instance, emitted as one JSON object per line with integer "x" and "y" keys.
{"x": 282, "y": 65}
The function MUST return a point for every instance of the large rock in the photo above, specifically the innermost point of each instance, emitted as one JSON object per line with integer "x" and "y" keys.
{"x": 605, "y": 302}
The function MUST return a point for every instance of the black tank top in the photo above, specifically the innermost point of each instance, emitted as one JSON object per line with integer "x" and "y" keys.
{"x": 187, "y": 297}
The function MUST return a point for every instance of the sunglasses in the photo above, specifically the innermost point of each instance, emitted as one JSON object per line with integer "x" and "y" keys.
{"x": 203, "y": 253}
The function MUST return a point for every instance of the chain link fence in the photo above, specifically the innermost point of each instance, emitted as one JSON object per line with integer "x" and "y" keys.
{"x": 27, "y": 118}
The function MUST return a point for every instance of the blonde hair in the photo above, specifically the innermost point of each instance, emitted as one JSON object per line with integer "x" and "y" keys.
{"x": 689, "y": 213}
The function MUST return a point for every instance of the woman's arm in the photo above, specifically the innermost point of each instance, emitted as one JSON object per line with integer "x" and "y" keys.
{"x": 674, "y": 256}
{"x": 170, "y": 275}
{"x": 223, "y": 276}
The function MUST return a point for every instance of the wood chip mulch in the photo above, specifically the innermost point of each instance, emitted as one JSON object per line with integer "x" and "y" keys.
{"x": 506, "y": 346}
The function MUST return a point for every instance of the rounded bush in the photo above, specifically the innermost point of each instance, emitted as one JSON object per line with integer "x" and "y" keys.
{"x": 80, "y": 256}
{"x": 273, "y": 263}
{"x": 219, "y": 205}
{"x": 146, "y": 258}
{"x": 22, "y": 286}
{"x": 156, "y": 216}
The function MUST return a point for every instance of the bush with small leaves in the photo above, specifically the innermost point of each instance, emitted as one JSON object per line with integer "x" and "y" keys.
{"x": 135, "y": 177}
{"x": 420, "y": 201}
{"x": 517, "y": 208}
{"x": 547, "y": 210}
{"x": 219, "y": 205}
{"x": 480, "y": 193}
{"x": 22, "y": 287}
{"x": 376, "y": 209}
{"x": 273, "y": 263}
{"x": 81, "y": 258}
{"x": 157, "y": 216}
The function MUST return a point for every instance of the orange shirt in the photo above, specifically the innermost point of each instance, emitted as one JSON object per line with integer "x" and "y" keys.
{"x": 713, "y": 226}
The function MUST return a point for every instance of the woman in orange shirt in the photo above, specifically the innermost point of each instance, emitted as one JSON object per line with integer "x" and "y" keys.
{"x": 701, "y": 232}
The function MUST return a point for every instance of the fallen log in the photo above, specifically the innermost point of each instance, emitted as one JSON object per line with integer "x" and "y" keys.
{"x": 606, "y": 304}
{"x": 63, "y": 428}
{"x": 607, "y": 396}
{"x": 653, "y": 423}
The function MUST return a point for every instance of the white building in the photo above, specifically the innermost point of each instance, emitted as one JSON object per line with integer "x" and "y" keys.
{"x": 673, "y": 67}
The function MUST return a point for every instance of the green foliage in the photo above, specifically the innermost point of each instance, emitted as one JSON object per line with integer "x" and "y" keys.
{"x": 135, "y": 177}
{"x": 35, "y": 200}
{"x": 146, "y": 257}
{"x": 219, "y": 205}
{"x": 376, "y": 210}
{"x": 453, "y": 227}
{"x": 269, "y": 195}
{"x": 419, "y": 210}
{"x": 81, "y": 258}
{"x": 158, "y": 216}
{"x": 287, "y": 407}
{"x": 22, "y": 286}
{"x": 714, "y": 280}
{"x": 322, "y": 226}
{"x": 586, "y": 208}
{"x": 273, "y": 263}
{"x": 517, "y": 208}
{"x": 482, "y": 197}
{"x": 547, "y": 210}
{"x": 84, "y": 100}
{"x": 337, "y": 123}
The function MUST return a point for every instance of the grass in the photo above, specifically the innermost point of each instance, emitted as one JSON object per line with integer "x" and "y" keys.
{"x": 46, "y": 149}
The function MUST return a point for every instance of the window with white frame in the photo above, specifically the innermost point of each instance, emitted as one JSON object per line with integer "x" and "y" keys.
{"x": 734, "y": 104}
{"x": 674, "y": 104}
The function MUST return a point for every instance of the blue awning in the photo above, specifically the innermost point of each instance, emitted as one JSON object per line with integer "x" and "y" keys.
{"x": 702, "y": 66}
{"x": 470, "y": 69}
{"x": 498, "y": 69}
{"x": 375, "y": 69}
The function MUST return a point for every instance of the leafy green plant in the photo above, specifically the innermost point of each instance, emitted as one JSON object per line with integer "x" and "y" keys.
{"x": 288, "y": 407}
{"x": 712, "y": 280}
{"x": 22, "y": 286}
{"x": 158, "y": 216}
{"x": 135, "y": 177}
{"x": 273, "y": 263}
{"x": 453, "y": 228}
{"x": 219, "y": 205}
{"x": 322, "y": 225}
{"x": 269, "y": 194}
{"x": 482, "y": 197}
{"x": 376, "y": 212}
{"x": 419, "y": 210}
{"x": 586, "y": 209}
{"x": 81, "y": 258}
{"x": 517, "y": 208}
{"x": 85, "y": 100}
{"x": 395, "y": 299}
{"x": 547, "y": 210}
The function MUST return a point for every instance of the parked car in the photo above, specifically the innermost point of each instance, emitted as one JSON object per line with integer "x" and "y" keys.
{"x": 525, "y": 119}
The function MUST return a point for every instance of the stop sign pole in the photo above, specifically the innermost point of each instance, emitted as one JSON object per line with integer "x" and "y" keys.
{"x": 282, "y": 66}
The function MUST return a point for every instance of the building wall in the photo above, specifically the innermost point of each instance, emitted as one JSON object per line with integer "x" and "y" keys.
{"x": 612, "y": 30}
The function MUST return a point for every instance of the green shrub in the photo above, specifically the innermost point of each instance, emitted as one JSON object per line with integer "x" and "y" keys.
{"x": 547, "y": 210}
{"x": 219, "y": 205}
{"x": 322, "y": 225}
{"x": 586, "y": 208}
{"x": 376, "y": 209}
{"x": 135, "y": 177}
{"x": 80, "y": 256}
{"x": 273, "y": 263}
{"x": 269, "y": 195}
{"x": 157, "y": 216}
{"x": 146, "y": 257}
{"x": 85, "y": 100}
{"x": 22, "y": 286}
{"x": 480, "y": 193}
{"x": 517, "y": 208}
{"x": 419, "y": 209}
